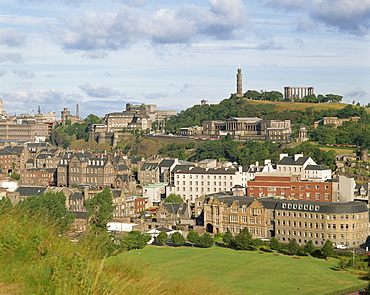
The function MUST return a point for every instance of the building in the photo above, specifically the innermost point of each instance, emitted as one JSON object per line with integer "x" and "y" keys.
{"x": 341, "y": 223}
{"x": 292, "y": 93}
{"x": 154, "y": 193}
{"x": 243, "y": 129}
{"x": 334, "y": 121}
{"x": 192, "y": 182}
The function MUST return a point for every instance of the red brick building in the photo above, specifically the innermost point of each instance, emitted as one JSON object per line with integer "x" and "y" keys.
{"x": 290, "y": 187}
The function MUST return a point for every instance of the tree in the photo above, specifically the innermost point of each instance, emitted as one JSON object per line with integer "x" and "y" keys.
{"x": 100, "y": 209}
{"x": 309, "y": 247}
{"x": 135, "y": 240}
{"x": 92, "y": 119}
{"x": 205, "y": 241}
{"x": 162, "y": 238}
{"x": 50, "y": 205}
{"x": 228, "y": 238}
{"x": 193, "y": 237}
{"x": 293, "y": 247}
{"x": 257, "y": 243}
{"x": 178, "y": 239}
{"x": 274, "y": 244}
{"x": 173, "y": 198}
{"x": 243, "y": 240}
{"x": 328, "y": 249}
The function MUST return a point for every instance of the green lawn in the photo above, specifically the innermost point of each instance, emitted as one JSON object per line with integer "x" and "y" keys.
{"x": 244, "y": 272}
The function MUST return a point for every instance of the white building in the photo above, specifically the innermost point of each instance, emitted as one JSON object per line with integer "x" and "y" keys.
{"x": 192, "y": 182}
{"x": 154, "y": 192}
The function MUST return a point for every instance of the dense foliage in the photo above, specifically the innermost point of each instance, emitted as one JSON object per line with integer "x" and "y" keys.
{"x": 173, "y": 198}
{"x": 100, "y": 209}
{"x": 239, "y": 107}
{"x": 49, "y": 206}
{"x": 64, "y": 135}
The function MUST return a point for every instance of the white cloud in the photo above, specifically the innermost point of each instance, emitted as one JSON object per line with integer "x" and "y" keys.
{"x": 98, "y": 90}
{"x": 184, "y": 25}
{"x": 11, "y": 37}
{"x": 287, "y": 4}
{"x": 24, "y": 74}
{"x": 351, "y": 16}
{"x": 24, "y": 101}
{"x": 11, "y": 57}
{"x": 2, "y": 73}
{"x": 358, "y": 92}
{"x": 269, "y": 45}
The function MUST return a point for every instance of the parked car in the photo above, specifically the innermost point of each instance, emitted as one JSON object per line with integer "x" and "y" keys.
{"x": 342, "y": 247}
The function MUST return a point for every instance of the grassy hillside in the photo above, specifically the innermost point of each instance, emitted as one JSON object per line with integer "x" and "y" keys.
{"x": 244, "y": 272}
{"x": 35, "y": 260}
{"x": 294, "y": 106}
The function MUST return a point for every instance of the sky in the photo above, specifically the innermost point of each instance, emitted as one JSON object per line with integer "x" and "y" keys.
{"x": 173, "y": 53}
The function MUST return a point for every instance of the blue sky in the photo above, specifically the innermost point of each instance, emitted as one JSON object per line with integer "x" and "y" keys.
{"x": 104, "y": 54}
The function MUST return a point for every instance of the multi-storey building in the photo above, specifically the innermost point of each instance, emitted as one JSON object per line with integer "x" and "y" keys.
{"x": 192, "y": 182}
{"x": 289, "y": 186}
{"x": 84, "y": 169}
{"x": 341, "y": 223}
{"x": 39, "y": 176}
{"x": 243, "y": 129}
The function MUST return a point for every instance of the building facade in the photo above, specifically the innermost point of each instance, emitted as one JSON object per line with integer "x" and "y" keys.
{"x": 341, "y": 223}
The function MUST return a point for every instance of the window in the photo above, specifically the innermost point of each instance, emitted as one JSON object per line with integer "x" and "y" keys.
{"x": 317, "y": 196}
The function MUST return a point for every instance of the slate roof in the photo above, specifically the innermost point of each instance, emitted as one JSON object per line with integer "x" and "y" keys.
{"x": 122, "y": 167}
{"x": 149, "y": 166}
{"x": 134, "y": 160}
{"x": 290, "y": 161}
{"x": 200, "y": 170}
{"x": 38, "y": 144}
{"x": 79, "y": 215}
{"x": 166, "y": 163}
{"x": 116, "y": 193}
{"x": 317, "y": 167}
{"x": 44, "y": 156}
{"x": 304, "y": 206}
{"x": 30, "y": 190}
{"x": 175, "y": 208}
{"x": 76, "y": 196}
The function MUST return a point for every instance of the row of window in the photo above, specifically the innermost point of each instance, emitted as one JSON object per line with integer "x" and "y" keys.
{"x": 196, "y": 176}
{"x": 332, "y": 237}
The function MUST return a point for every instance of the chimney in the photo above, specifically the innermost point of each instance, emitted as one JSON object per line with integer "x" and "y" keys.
{"x": 297, "y": 156}
{"x": 281, "y": 156}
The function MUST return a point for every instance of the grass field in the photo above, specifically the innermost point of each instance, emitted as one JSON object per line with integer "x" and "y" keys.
{"x": 280, "y": 106}
{"x": 244, "y": 272}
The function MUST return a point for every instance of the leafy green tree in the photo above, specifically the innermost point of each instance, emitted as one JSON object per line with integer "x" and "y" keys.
{"x": 162, "y": 238}
{"x": 100, "y": 209}
{"x": 243, "y": 240}
{"x": 92, "y": 119}
{"x": 193, "y": 237}
{"x": 50, "y": 205}
{"x": 228, "y": 238}
{"x": 309, "y": 247}
{"x": 135, "y": 240}
{"x": 15, "y": 176}
{"x": 205, "y": 241}
{"x": 275, "y": 244}
{"x": 178, "y": 239}
{"x": 293, "y": 247}
{"x": 328, "y": 249}
{"x": 257, "y": 243}
{"x": 173, "y": 198}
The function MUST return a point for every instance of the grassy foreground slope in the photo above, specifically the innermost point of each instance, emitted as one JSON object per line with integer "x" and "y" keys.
{"x": 244, "y": 272}
{"x": 35, "y": 260}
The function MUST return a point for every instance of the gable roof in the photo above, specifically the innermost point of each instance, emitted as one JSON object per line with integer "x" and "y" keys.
{"x": 317, "y": 167}
{"x": 149, "y": 166}
{"x": 30, "y": 190}
{"x": 289, "y": 160}
{"x": 175, "y": 208}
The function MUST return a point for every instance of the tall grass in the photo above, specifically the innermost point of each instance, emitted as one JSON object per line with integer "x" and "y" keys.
{"x": 35, "y": 260}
